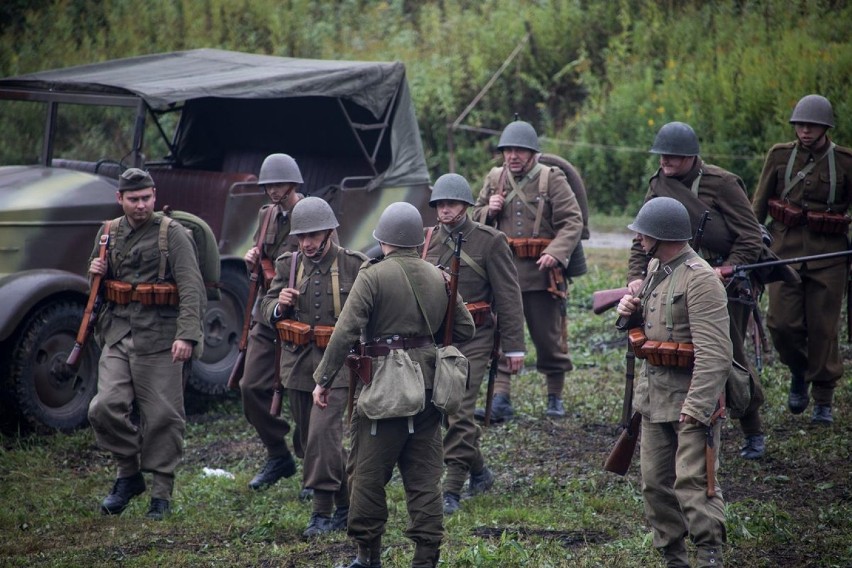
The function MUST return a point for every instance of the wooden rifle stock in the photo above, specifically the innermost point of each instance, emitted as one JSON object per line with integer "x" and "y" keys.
{"x": 255, "y": 280}
{"x": 278, "y": 389}
{"x": 621, "y": 455}
{"x": 492, "y": 375}
{"x": 240, "y": 363}
{"x": 93, "y": 305}
{"x": 603, "y": 300}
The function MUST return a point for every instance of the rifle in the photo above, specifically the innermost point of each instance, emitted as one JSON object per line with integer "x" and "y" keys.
{"x": 93, "y": 306}
{"x": 621, "y": 455}
{"x": 603, "y": 300}
{"x": 559, "y": 290}
{"x": 492, "y": 375}
{"x": 710, "y": 448}
{"x": 255, "y": 280}
{"x": 275, "y": 407}
{"x": 740, "y": 269}
{"x": 453, "y": 291}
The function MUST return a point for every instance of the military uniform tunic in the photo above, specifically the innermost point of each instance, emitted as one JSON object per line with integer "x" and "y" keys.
{"x": 136, "y": 361}
{"x": 380, "y": 305}
{"x": 803, "y": 318}
{"x": 561, "y": 221}
{"x": 318, "y": 438}
{"x": 486, "y": 274}
{"x": 259, "y": 378}
{"x": 674, "y": 479}
{"x": 731, "y": 237}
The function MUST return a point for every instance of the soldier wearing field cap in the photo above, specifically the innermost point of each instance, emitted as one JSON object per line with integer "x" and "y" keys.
{"x": 488, "y": 282}
{"x": 805, "y": 189}
{"x": 681, "y": 302}
{"x": 147, "y": 339}
{"x": 397, "y": 305}
{"x": 537, "y": 210}
{"x": 280, "y": 177}
{"x": 731, "y": 236}
{"x": 322, "y": 277}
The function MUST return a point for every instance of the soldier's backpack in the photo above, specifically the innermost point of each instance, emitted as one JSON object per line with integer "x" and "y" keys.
{"x": 206, "y": 246}
{"x": 577, "y": 262}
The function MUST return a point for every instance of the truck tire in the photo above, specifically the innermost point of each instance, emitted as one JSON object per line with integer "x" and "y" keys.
{"x": 47, "y": 398}
{"x": 223, "y": 324}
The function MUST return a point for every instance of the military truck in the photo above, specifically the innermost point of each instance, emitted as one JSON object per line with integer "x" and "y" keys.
{"x": 201, "y": 122}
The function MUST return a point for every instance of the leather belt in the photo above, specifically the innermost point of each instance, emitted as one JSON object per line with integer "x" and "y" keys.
{"x": 383, "y": 347}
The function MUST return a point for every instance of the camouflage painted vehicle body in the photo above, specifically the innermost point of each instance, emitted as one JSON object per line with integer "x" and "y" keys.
{"x": 213, "y": 116}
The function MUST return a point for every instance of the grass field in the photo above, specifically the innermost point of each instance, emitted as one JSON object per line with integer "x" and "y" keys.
{"x": 552, "y": 504}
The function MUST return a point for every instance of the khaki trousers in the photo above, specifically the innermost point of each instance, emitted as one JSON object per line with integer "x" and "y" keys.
{"x": 155, "y": 383}
{"x": 804, "y": 322}
{"x": 674, "y": 484}
{"x": 256, "y": 388}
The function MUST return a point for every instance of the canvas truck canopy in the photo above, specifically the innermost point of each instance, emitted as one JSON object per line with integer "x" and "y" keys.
{"x": 344, "y": 110}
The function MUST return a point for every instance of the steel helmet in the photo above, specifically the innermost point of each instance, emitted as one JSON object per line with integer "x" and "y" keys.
{"x": 813, "y": 109}
{"x": 279, "y": 168}
{"x": 664, "y": 219}
{"x": 312, "y": 214}
{"x": 675, "y": 139}
{"x": 451, "y": 187}
{"x": 519, "y": 134}
{"x": 400, "y": 225}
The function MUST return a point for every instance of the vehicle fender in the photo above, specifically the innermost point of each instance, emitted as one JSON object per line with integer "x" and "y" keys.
{"x": 22, "y": 291}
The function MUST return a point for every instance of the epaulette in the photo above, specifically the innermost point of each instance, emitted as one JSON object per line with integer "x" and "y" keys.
{"x": 350, "y": 252}
{"x": 370, "y": 262}
{"x": 842, "y": 150}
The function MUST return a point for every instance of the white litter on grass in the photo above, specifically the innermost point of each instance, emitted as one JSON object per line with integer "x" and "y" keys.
{"x": 217, "y": 473}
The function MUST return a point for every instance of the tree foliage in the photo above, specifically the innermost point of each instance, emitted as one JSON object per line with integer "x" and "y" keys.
{"x": 597, "y": 79}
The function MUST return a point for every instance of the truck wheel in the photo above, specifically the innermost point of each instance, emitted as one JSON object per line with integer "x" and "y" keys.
{"x": 223, "y": 324}
{"x": 47, "y": 397}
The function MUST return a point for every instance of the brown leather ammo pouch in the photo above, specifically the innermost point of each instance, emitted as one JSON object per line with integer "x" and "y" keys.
{"x": 480, "y": 312}
{"x": 165, "y": 294}
{"x": 360, "y": 367}
{"x": 322, "y": 335}
{"x": 786, "y": 212}
{"x": 267, "y": 267}
{"x": 637, "y": 338}
{"x": 685, "y": 355}
{"x": 295, "y": 332}
{"x": 651, "y": 351}
{"x": 119, "y": 292}
{"x": 668, "y": 353}
{"x": 528, "y": 247}
{"x": 828, "y": 223}
{"x": 144, "y": 294}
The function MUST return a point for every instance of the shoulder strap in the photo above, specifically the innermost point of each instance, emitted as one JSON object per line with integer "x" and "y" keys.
{"x": 163, "y": 244}
{"x": 426, "y": 242}
{"x": 335, "y": 285}
{"x": 543, "y": 187}
{"x": 264, "y": 227}
{"x": 791, "y": 181}
{"x": 416, "y": 297}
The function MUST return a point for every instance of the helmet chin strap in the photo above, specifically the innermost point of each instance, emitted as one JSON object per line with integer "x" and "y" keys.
{"x": 650, "y": 254}
{"x": 457, "y": 219}
{"x": 321, "y": 248}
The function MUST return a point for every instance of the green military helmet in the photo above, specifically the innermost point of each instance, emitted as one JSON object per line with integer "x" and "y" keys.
{"x": 279, "y": 168}
{"x": 133, "y": 179}
{"x": 400, "y": 225}
{"x": 519, "y": 134}
{"x": 813, "y": 109}
{"x": 664, "y": 219}
{"x": 451, "y": 187}
{"x": 675, "y": 139}
{"x": 312, "y": 214}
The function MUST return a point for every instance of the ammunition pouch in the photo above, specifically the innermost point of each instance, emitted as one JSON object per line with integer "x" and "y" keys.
{"x": 786, "y": 213}
{"x": 480, "y": 312}
{"x": 267, "y": 267}
{"x": 300, "y": 334}
{"x": 828, "y": 223}
{"x": 528, "y": 247}
{"x": 122, "y": 293}
{"x": 661, "y": 353}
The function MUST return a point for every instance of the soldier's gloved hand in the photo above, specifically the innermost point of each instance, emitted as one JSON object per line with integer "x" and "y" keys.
{"x": 287, "y": 297}
{"x": 495, "y": 204}
{"x": 546, "y": 262}
{"x": 251, "y": 257}
{"x": 181, "y": 350}
{"x": 320, "y": 395}
{"x": 98, "y": 266}
{"x": 627, "y": 305}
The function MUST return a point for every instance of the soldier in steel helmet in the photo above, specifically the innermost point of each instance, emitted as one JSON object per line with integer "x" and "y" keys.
{"x": 280, "y": 177}
{"x": 322, "y": 278}
{"x": 146, "y": 341}
{"x": 805, "y": 189}
{"x": 532, "y": 203}
{"x": 731, "y": 236}
{"x": 488, "y": 281}
{"x": 397, "y": 305}
{"x": 681, "y": 300}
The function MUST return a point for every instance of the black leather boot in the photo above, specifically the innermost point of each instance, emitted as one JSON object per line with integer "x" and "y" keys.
{"x": 124, "y": 489}
{"x": 273, "y": 470}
